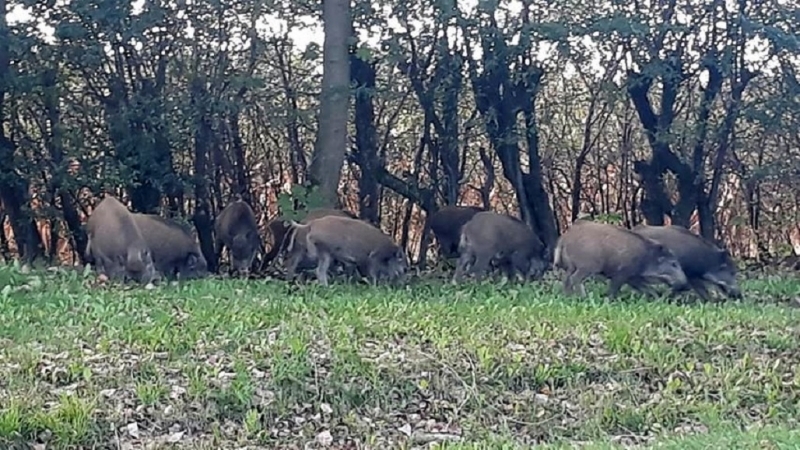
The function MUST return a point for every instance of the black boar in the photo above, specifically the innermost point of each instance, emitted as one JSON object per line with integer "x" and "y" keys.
{"x": 446, "y": 225}
{"x": 116, "y": 244}
{"x": 702, "y": 261}
{"x": 279, "y": 227}
{"x": 236, "y": 229}
{"x": 175, "y": 251}
{"x": 622, "y": 256}
{"x": 348, "y": 241}
{"x": 506, "y": 241}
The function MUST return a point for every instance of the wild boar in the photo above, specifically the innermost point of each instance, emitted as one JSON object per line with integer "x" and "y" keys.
{"x": 508, "y": 242}
{"x": 116, "y": 244}
{"x": 279, "y": 227}
{"x": 176, "y": 253}
{"x": 620, "y": 255}
{"x": 446, "y": 225}
{"x": 348, "y": 241}
{"x": 701, "y": 260}
{"x": 236, "y": 229}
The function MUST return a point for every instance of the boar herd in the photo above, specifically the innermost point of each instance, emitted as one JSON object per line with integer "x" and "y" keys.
{"x": 147, "y": 248}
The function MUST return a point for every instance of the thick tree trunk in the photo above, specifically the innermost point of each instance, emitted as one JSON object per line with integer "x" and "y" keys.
{"x": 449, "y": 74}
{"x": 656, "y": 204}
{"x": 14, "y": 188}
{"x": 54, "y": 144}
{"x": 534, "y": 185}
{"x": 331, "y": 141}
{"x": 366, "y": 155}
{"x": 202, "y": 140}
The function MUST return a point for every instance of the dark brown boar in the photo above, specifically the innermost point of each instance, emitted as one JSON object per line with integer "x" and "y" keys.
{"x": 279, "y": 227}
{"x": 176, "y": 253}
{"x": 116, "y": 244}
{"x": 506, "y": 241}
{"x": 346, "y": 240}
{"x": 236, "y": 229}
{"x": 446, "y": 225}
{"x": 622, "y": 256}
{"x": 701, "y": 260}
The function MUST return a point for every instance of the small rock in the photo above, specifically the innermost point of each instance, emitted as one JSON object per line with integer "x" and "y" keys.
{"x": 169, "y": 410}
{"x": 325, "y": 438}
{"x": 405, "y": 429}
{"x": 133, "y": 429}
{"x": 325, "y": 408}
{"x": 176, "y": 392}
{"x": 150, "y": 286}
{"x": 540, "y": 399}
{"x": 175, "y": 437}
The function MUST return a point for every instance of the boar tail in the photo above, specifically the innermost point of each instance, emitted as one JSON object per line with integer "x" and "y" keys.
{"x": 558, "y": 255}
{"x": 463, "y": 242}
{"x": 87, "y": 253}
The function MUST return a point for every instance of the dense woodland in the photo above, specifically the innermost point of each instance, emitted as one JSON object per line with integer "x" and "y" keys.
{"x": 681, "y": 111}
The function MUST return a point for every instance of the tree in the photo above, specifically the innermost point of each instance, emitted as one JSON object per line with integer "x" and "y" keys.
{"x": 331, "y": 142}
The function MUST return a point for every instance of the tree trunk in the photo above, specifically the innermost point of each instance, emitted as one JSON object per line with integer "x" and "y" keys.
{"x": 656, "y": 204}
{"x": 54, "y": 144}
{"x": 534, "y": 185}
{"x": 331, "y": 141}
{"x": 203, "y": 135}
{"x": 13, "y": 187}
{"x": 366, "y": 155}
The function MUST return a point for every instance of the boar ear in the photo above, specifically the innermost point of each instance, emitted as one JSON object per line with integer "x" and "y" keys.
{"x": 662, "y": 250}
{"x": 191, "y": 261}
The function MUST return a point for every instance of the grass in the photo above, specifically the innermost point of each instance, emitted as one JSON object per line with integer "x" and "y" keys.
{"x": 230, "y": 363}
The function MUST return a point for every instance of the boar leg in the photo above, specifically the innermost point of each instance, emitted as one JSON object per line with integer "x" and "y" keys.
{"x": 643, "y": 286}
{"x": 700, "y": 287}
{"x": 511, "y": 272}
{"x": 324, "y": 261}
{"x": 480, "y": 267}
{"x": 575, "y": 276}
{"x": 520, "y": 264}
{"x": 614, "y": 285}
{"x": 292, "y": 262}
{"x": 374, "y": 273}
{"x": 464, "y": 260}
{"x": 113, "y": 268}
{"x": 448, "y": 248}
{"x": 691, "y": 285}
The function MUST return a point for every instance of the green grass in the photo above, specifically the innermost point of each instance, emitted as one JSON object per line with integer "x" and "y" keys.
{"x": 225, "y": 364}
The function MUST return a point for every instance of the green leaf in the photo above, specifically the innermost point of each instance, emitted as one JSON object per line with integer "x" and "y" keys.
{"x": 364, "y": 53}
{"x": 312, "y": 52}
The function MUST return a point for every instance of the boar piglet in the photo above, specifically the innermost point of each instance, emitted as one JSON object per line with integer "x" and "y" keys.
{"x": 116, "y": 244}
{"x": 235, "y": 228}
{"x": 279, "y": 228}
{"x": 175, "y": 251}
{"x": 349, "y": 241}
{"x": 446, "y": 225}
{"x": 620, "y": 255}
{"x": 491, "y": 238}
{"x": 701, "y": 260}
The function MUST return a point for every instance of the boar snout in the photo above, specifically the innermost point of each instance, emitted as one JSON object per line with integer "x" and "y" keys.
{"x": 538, "y": 268}
{"x": 726, "y": 281}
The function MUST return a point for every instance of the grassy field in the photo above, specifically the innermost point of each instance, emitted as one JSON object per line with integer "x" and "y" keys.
{"x": 261, "y": 364}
